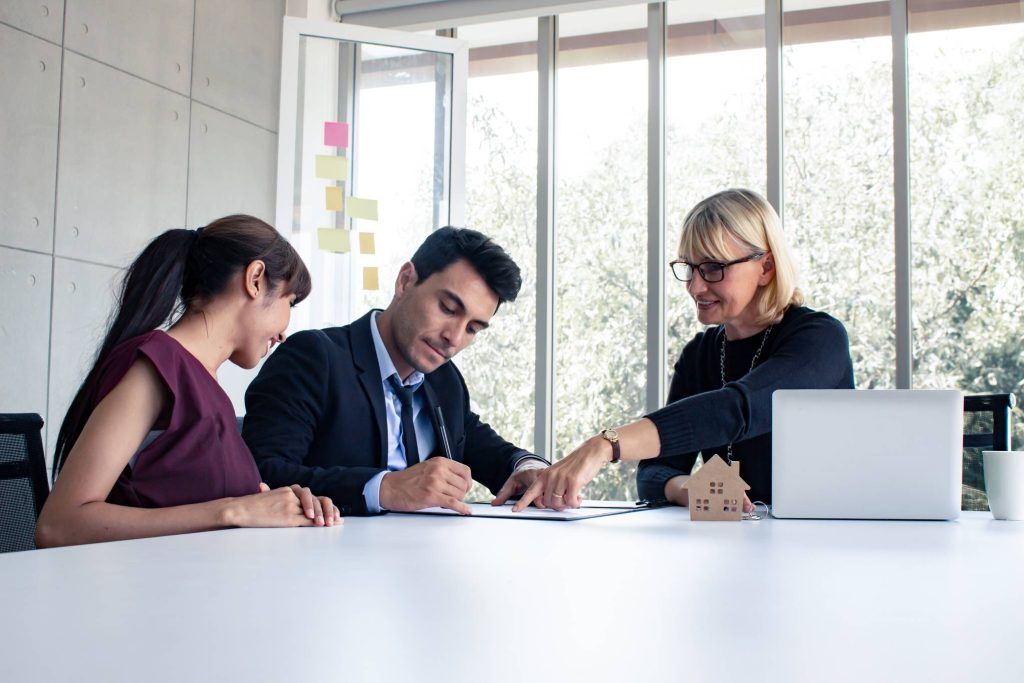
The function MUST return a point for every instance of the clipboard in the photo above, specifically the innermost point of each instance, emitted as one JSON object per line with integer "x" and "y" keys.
{"x": 589, "y": 510}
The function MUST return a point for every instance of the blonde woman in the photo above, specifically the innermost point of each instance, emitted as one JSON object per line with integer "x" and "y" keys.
{"x": 736, "y": 267}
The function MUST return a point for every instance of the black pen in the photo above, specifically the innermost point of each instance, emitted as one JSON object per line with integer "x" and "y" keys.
{"x": 439, "y": 416}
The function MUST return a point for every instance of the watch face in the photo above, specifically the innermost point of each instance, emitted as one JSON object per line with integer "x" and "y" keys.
{"x": 610, "y": 434}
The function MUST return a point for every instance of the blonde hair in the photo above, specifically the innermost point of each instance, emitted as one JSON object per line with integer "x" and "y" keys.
{"x": 746, "y": 218}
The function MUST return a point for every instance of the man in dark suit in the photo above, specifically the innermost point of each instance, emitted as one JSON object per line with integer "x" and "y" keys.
{"x": 356, "y": 412}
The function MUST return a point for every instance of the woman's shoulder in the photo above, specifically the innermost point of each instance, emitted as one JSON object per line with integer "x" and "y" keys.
{"x": 802, "y": 320}
{"x": 174, "y": 364}
{"x": 122, "y": 356}
{"x": 703, "y": 342}
{"x": 709, "y": 335}
{"x": 161, "y": 349}
{"x": 156, "y": 341}
{"x": 129, "y": 346}
{"x": 125, "y": 355}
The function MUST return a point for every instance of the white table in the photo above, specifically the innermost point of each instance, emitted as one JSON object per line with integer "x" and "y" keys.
{"x": 639, "y": 597}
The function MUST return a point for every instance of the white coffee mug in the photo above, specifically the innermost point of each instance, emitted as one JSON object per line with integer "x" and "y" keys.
{"x": 1004, "y": 483}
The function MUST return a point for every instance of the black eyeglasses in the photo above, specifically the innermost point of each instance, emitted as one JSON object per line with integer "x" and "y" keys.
{"x": 711, "y": 271}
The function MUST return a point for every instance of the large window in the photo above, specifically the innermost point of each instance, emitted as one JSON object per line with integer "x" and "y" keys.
{"x": 838, "y": 171}
{"x": 395, "y": 118}
{"x": 967, "y": 170}
{"x": 501, "y": 201}
{"x": 715, "y": 125}
{"x": 966, "y": 110}
{"x": 600, "y": 231}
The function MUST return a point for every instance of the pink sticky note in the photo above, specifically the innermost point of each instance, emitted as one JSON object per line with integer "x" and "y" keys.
{"x": 335, "y": 134}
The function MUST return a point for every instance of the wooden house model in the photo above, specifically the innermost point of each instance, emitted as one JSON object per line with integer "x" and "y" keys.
{"x": 716, "y": 492}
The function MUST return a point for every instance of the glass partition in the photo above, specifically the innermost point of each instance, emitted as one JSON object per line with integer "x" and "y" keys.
{"x": 371, "y": 159}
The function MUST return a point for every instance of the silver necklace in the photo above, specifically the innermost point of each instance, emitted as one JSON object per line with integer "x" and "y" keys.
{"x": 753, "y": 362}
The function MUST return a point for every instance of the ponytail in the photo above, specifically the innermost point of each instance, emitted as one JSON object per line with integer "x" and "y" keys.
{"x": 177, "y": 270}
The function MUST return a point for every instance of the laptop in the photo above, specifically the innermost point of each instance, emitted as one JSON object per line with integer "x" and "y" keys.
{"x": 867, "y": 454}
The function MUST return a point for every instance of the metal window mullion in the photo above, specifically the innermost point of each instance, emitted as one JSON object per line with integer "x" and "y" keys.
{"x": 544, "y": 420}
{"x": 349, "y": 99}
{"x": 656, "y": 52}
{"x": 442, "y": 139}
{"x": 901, "y": 194}
{"x": 773, "y": 82}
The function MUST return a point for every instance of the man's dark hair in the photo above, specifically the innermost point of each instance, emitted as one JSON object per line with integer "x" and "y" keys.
{"x": 449, "y": 244}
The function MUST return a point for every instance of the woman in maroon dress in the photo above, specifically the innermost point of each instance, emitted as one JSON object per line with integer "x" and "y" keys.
{"x": 227, "y": 289}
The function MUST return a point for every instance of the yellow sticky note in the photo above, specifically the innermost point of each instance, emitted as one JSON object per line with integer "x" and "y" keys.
{"x": 331, "y": 167}
{"x": 366, "y": 243}
{"x": 335, "y": 199}
{"x": 362, "y": 208}
{"x": 330, "y": 239}
{"x": 370, "y": 278}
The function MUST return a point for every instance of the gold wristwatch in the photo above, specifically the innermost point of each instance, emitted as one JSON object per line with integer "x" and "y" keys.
{"x": 612, "y": 437}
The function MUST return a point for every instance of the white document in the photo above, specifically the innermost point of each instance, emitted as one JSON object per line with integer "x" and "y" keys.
{"x": 590, "y": 509}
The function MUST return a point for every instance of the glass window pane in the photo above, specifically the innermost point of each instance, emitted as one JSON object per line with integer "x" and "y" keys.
{"x": 966, "y": 63}
{"x": 715, "y": 125}
{"x": 601, "y": 233}
{"x": 396, "y": 103}
{"x": 501, "y": 201}
{"x": 838, "y": 161}
{"x": 402, "y": 102}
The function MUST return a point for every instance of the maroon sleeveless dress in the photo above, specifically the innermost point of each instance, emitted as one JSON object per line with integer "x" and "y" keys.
{"x": 200, "y": 456}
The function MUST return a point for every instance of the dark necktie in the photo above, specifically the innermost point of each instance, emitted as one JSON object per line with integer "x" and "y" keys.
{"x": 412, "y": 452}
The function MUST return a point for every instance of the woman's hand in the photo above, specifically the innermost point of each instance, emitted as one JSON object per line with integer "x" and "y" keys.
{"x": 319, "y": 509}
{"x": 558, "y": 487}
{"x": 674, "y": 491}
{"x": 288, "y": 506}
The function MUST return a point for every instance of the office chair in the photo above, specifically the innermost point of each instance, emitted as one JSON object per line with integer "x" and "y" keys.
{"x": 23, "y": 486}
{"x": 986, "y": 428}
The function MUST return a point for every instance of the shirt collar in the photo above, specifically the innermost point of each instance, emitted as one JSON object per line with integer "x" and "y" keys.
{"x": 387, "y": 366}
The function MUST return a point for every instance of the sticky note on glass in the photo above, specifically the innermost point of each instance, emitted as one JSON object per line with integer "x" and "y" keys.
{"x": 335, "y": 134}
{"x": 362, "y": 208}
{"x": 370, "y": 278}
{"x": 335, "y": 199}
{"x": 331, "y": 167}
{"x": 331, "y": 239}
{"x": 366, "y": 243}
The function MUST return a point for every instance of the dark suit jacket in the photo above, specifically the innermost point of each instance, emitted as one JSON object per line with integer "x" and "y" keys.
{"x": 315, "y": 416}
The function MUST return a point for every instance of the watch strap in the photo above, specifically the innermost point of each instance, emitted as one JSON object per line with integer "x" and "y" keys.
{"x": 614, "y": 441}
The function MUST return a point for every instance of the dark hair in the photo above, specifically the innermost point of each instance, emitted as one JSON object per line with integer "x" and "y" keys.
{"x": 178, "y": 270}
{"x": 446, "y": 246}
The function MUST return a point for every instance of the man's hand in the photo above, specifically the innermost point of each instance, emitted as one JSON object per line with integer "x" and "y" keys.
{"x": 437, "y": 482}
{"x": 517, "y": 484}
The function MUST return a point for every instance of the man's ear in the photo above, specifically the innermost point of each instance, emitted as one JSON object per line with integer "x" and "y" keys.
{"x": 767, "y": 269}
{"x": 406, "y": 278}
{"x": 254, "y": 279}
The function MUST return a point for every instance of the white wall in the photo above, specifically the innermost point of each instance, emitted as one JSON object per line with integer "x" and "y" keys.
{"x": 119, "y": 119}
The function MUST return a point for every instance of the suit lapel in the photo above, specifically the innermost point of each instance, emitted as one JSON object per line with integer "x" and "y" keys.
{"x": 364, "y": 357}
